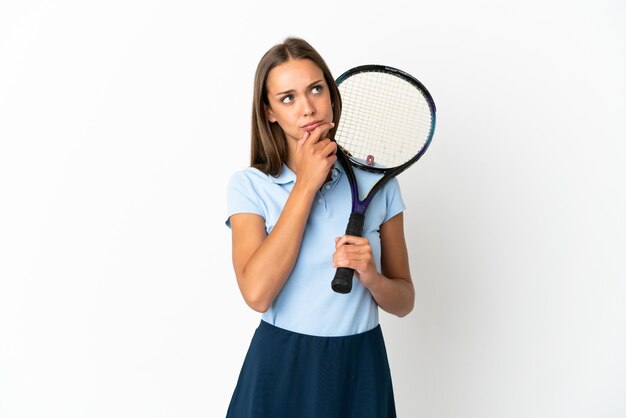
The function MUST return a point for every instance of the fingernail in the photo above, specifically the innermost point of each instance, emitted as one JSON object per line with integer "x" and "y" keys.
{"x": 332, "y": 124}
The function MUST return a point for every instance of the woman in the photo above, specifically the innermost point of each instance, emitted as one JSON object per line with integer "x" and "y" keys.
{"x": 316, "y": 353}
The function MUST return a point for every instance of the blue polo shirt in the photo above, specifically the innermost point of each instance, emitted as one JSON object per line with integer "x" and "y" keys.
{"x": 307, "y": 304}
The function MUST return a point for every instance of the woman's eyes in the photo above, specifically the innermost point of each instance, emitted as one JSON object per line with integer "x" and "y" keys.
{"x": 289, "y": 98}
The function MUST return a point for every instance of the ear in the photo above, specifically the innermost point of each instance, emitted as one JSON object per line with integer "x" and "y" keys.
{"x": 269, "y": 113}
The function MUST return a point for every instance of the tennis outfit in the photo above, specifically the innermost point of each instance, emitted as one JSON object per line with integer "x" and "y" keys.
{"x": 316, "y": 353}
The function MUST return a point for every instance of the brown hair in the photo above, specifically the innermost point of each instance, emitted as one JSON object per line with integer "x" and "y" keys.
{"x": 269, "y": 146}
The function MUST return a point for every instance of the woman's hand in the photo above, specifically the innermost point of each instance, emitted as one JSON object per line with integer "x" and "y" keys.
{"x": 314, "y": 157}
{"x": 356, "y": 253}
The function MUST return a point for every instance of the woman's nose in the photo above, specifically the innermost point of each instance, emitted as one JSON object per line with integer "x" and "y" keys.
{"x": 309, "y": 107}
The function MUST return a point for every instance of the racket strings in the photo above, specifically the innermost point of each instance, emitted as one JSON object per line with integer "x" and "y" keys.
{"x": 383, "y": 116}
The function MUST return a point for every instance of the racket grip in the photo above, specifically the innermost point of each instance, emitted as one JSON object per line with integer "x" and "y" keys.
{"x": 342, "y": 282}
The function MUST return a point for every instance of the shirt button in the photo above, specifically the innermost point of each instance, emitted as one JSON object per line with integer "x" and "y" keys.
{"x": 320, "y": 201}
{"x": 328, "y": 187}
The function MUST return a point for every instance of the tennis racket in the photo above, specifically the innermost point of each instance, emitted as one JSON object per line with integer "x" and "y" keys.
{"x": 387, "y": 123}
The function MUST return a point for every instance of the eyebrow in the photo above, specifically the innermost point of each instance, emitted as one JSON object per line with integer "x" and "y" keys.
{"x": 292, "y": 90}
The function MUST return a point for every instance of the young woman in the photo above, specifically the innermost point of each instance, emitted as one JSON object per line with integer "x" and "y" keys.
{"x": 316, "y": 353}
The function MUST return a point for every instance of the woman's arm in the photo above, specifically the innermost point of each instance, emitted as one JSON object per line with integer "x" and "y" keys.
{"x": 263, "y": 262}
{"x": 393, "y": 289}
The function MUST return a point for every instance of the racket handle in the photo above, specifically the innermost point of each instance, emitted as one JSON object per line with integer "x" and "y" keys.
{"x": 342, "y": 282}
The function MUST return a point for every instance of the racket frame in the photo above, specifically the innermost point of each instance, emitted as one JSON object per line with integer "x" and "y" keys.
{"x": 340, "y": 282}
{"x": 358, "y": 205}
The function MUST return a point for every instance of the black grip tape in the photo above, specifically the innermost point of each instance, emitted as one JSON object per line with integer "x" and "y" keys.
{"x": 355, "y": 225}
{"x": 342, "y": 282}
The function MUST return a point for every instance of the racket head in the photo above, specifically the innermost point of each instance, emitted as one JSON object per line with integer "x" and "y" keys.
{"x": 387, "y": 119}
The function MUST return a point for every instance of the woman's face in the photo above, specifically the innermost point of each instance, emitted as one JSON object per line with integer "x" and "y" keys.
{"x": 298, "y": 96}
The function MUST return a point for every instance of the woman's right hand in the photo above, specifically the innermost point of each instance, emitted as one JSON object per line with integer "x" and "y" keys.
{"x": 314, "y": 157}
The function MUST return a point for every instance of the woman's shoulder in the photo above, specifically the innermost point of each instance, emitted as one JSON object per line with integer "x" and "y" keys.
{"x": 248, "y": 175}
{"x": 250, "y": 172}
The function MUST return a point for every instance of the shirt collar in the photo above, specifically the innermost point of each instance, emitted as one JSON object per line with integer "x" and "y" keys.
{"x": 339, "y": 166}
{"x": 285, "y": 176}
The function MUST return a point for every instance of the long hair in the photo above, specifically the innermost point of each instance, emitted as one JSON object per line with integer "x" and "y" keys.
{"x": 268, "y": 149}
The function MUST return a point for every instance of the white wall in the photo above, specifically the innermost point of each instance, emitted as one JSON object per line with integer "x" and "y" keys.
{"x": 117, "y": 297}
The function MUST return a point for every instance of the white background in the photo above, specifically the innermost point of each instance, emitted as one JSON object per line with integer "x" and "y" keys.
{"x": 121, "y": 122}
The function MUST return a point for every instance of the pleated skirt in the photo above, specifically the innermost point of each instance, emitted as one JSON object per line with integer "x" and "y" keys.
{"x": 291, "y": 375}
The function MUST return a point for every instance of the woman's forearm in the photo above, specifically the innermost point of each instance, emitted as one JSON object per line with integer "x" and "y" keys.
{"x": 395, "y": 296}
{"x": 268, "y": 268}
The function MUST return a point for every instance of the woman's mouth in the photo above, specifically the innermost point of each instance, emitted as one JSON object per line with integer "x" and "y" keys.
{"x": 312, "y": 125}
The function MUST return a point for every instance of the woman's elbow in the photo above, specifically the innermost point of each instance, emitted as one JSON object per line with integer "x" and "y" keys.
{"x": 255, "y": 300}
{"x": 405, "y": 311}
{"x": 256, "y": 305}
{"x": 410, "y": 303}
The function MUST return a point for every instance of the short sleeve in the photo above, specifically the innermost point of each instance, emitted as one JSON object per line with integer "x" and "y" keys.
{"x": 395, "y": 204}
{"x": 241, "y": 196}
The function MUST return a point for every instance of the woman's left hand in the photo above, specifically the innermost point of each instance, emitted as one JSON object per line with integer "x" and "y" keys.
{"x": 356, "y": 253}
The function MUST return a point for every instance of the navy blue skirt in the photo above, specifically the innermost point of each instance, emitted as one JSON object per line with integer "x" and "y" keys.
{"x": 291, "y": 375}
